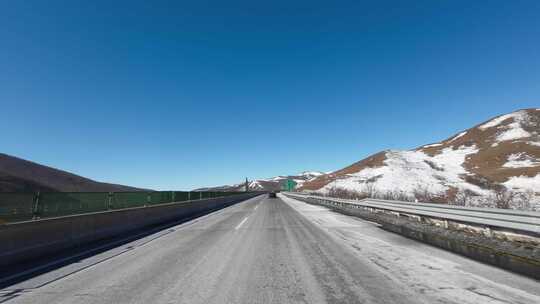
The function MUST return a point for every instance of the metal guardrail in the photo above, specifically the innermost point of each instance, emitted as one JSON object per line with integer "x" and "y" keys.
{"x": 527, "y": 221}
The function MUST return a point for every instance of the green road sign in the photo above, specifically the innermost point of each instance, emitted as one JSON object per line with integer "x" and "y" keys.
{"x": 289, "y": 185}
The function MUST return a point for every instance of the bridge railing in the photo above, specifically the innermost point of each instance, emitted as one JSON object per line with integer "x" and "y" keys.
{"x": 17, "y": 207}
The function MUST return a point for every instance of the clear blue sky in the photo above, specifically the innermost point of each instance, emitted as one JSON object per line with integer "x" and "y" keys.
{"x": 177, "y": 94}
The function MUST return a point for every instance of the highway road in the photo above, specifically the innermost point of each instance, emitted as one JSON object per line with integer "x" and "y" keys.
{"x": 274, "y": 251}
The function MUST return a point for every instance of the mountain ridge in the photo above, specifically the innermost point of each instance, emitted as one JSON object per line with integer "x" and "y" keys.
{"x": 497, "y": 154}
{"x": 269, "y": 184}
{"x": 20, "y": 175}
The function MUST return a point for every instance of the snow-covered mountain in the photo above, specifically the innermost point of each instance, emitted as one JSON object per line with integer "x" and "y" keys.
{"x": 268, "y": 184}
{"x": 502, "y": 153}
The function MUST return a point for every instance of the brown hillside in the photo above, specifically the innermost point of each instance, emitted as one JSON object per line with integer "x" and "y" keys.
{"x": 513, "y": 135}
{"x": 18, "y": 175}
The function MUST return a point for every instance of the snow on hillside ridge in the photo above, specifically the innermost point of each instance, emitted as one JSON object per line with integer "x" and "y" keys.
{"x": 458, "y": 136}
{"x": 311, "y": 173}
{"x": 432, "y": 145}
{"x": 268, "y": 184}
{"x": 413, "y": 170}
{"x": 255, "y": 185}
{"x": 511, "y": 131}
{"x": 501, "y": 153}
{"x": 301, "y": 176}
{"x": 517, "y": 116}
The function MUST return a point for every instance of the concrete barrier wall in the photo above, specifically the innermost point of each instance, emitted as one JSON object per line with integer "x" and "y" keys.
{"x": 24, "y": 241}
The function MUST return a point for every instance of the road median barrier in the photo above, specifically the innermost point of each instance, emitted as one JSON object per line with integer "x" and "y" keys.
{"x": 26, "y": 240}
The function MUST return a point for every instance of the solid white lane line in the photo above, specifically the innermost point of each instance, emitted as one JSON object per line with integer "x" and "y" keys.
{"x": 241, "y": 223}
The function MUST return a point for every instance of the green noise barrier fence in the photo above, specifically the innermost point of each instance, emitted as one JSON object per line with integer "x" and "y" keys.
{"x": 17, "y": 207}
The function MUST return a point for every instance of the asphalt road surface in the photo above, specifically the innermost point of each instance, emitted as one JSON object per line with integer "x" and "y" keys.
{"x": 275, "y": 251}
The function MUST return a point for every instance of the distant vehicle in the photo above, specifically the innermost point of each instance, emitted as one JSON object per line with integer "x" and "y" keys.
{"x": 272, "y": 194}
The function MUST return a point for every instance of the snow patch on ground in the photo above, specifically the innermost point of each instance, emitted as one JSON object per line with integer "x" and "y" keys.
{"x": 407, "y": 171}
{"x": 520, "y": 160}
{"x": 534, "y": 143}
{"x": 524, "y": 182}
{"x": 515, "y": 132}
{"x": 511, "y": 131}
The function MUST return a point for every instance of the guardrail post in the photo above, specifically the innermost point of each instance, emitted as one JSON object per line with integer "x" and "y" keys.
{"x": 110, "y": 200}
{"x": 35, "y": 207}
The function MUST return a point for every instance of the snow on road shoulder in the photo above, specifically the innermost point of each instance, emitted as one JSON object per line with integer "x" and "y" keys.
{"x": 442, "y": 276}
{"x": 300, "y": 206}
{"x": 323, "y": 215}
